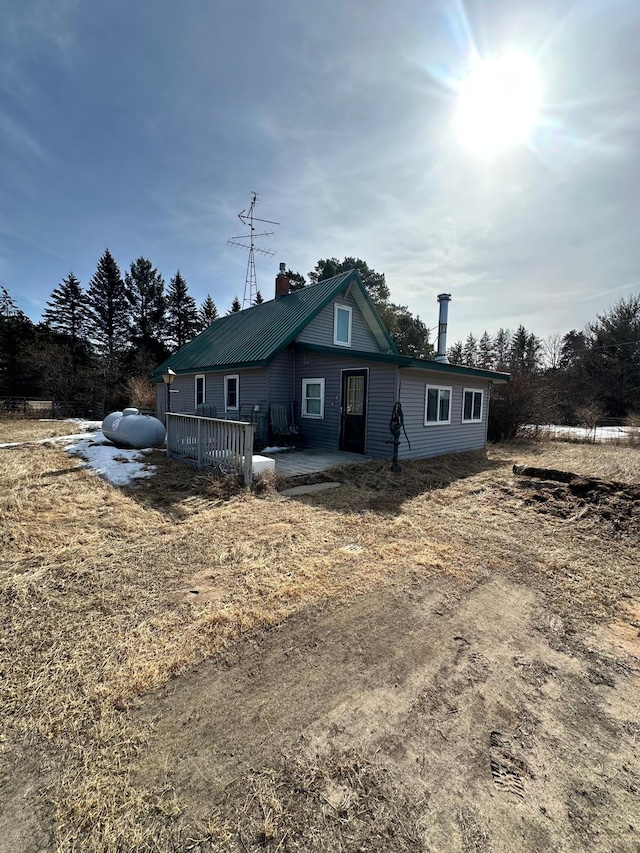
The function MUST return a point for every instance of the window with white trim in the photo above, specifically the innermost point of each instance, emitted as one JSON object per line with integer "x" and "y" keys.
{"x": 200, "y": 389}
{"x": 313, "y": 398}
{"x": 472, "y": 405}
{"x": 342, "y": 325}
{"x": 231, "y": 393}
{"x": 437, "y": 405}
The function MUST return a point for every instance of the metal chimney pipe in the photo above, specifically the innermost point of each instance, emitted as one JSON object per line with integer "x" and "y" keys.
{"x": 444, "y": 299}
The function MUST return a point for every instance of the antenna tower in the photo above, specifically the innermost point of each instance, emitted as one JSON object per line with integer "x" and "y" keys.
{"x": 247, "y": 218}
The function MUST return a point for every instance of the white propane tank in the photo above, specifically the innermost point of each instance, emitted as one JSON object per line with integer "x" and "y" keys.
{"x": 131, "y": 429}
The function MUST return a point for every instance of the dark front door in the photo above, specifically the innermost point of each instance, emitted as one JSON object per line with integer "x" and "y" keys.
{"x": 353, "y": 429}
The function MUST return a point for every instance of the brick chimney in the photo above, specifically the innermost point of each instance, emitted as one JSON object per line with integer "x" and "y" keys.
{"x": 282, "y": 283}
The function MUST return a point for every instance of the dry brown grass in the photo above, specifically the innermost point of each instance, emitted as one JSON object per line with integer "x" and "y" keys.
{"x": 97, "y": 607}
{"x": 18, "y": 430}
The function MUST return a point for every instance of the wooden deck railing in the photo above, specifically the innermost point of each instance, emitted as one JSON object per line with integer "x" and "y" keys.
{"x": 211, "y": 442}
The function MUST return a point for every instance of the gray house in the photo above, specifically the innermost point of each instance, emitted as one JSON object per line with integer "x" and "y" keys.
{"x": 323, "y": 357}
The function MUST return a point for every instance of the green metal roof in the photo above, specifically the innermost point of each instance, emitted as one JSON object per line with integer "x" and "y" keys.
{"x": 408, "y": 361}
{"x": 251, "y": 338}
{"x": 471, "y": 372}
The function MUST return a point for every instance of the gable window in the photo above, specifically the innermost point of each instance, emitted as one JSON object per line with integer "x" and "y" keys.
{"x": 313, "y": 398}
{"x": 471, "y": 405}
{"x": 342, "y": 325}
{"x": 231, "y": 392}
{"x": 200, "y": 389}
{"x": 437, "y": 408}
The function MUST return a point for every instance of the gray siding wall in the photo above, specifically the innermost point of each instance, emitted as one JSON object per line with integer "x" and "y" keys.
{"x": 381, "y": 391}
{"x": 252, "y": 390}
{"x": 281, "y": 378}
{"x": 436, "y": 439}
{"x": 320, "y": 329}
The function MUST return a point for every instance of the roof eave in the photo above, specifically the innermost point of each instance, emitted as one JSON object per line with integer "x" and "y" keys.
{"x": 215, "y": 368}
{"x": 461, "y": 370}
{"x": 363, "y": 355}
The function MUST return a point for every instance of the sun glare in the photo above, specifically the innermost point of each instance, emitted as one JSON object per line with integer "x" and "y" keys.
{"x": 498, "y": 104}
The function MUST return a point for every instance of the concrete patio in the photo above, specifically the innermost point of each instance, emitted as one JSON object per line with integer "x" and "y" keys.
{"x": 297, "y": 463}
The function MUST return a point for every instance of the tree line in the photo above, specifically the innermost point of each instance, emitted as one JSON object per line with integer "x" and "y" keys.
{"x": 581, "y": 377}
{"x": 98, "y": 346}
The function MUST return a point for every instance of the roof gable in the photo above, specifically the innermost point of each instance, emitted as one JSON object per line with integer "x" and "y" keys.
{"x": 251, "y": 338}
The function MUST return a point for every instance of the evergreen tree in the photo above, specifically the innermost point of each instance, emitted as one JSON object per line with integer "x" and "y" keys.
{"x": 470, "y": 351}
{"x": 296, "y": 279}
{"x": 574, "y": 345}
{"x": 235, "y": 306}
{"x": 258, "y": 300}
{"x": 502, "y": 348}
{"x": 486, "y": 352}
{"x": 108, "y": 313}
{"x": 208, "y": 312}
{"x": 18, "y": 373}
{"x": 532, "y": 354}
{"x": 67, "y": 310}
{"x": 518, "y": 350}
{"x": 8, "y": 307}
{"x": 373, "y": 281}
{"x": 615, "y": 356}
{"x": 145, "y": 293}
{"x": 182, "y": 313}
{"x": 67, "y": 348}
{"x": 409, "y": 333}
{"x": 454, "y": 353}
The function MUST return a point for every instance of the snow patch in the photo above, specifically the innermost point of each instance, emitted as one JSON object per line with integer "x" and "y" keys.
{"x": 118, "y": 465}
{"x": 600, "y": 434}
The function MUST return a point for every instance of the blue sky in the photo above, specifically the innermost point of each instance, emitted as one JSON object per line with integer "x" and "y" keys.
{"x": 144, "y": 127}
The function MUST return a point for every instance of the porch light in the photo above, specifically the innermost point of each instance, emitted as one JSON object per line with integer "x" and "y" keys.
{"x": 167, "y": 377}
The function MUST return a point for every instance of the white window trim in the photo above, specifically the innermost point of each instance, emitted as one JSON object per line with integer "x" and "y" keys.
{"x": 473, "y": 420}
{"x": 235, "y": 408}
{"x": 195, "y": 389}
{"x": 438, "y": 388}
{"x": 306, "y": 382}
{"x": 338, "y": 307}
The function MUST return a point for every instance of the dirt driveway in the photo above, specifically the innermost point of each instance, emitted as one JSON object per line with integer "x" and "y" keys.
{"x": 409, "y": 719}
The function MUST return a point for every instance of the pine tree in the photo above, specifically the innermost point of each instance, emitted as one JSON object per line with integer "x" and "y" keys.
{"x": 182, "y": 313}
{"x": 208, "y": 312}
{"x": 67, "y": 309}
{"x": 374, "y": 281}
{"x": 258, "y": 300}
{"x": 502, "y": 348}
{"x": 108, "y": 312}
{"x": 67, "y": 317}
{"x": 235, "y": 306}
{"x": 518, "y": 350}
{"x": 486, "y": 352}
{"x": 296, "y": 280}
{"x": 455, "y": 353}
{"x": 470, "y": 351}
{"x": 8, "y": 307}
{"x": 145, "y": 292}
{"x": 532, "y": 354}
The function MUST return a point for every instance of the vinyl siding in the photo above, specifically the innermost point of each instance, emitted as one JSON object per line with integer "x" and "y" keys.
{"x": 381, "y": 389}
{"x": 281, "y": 378}
{"x": 436, "y": 439}
{"x": 320, "y": 329}
{"x": 252, "y": 390}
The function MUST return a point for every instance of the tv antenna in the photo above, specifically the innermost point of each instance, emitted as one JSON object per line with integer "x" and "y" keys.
{"x": 247, "y": 218}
